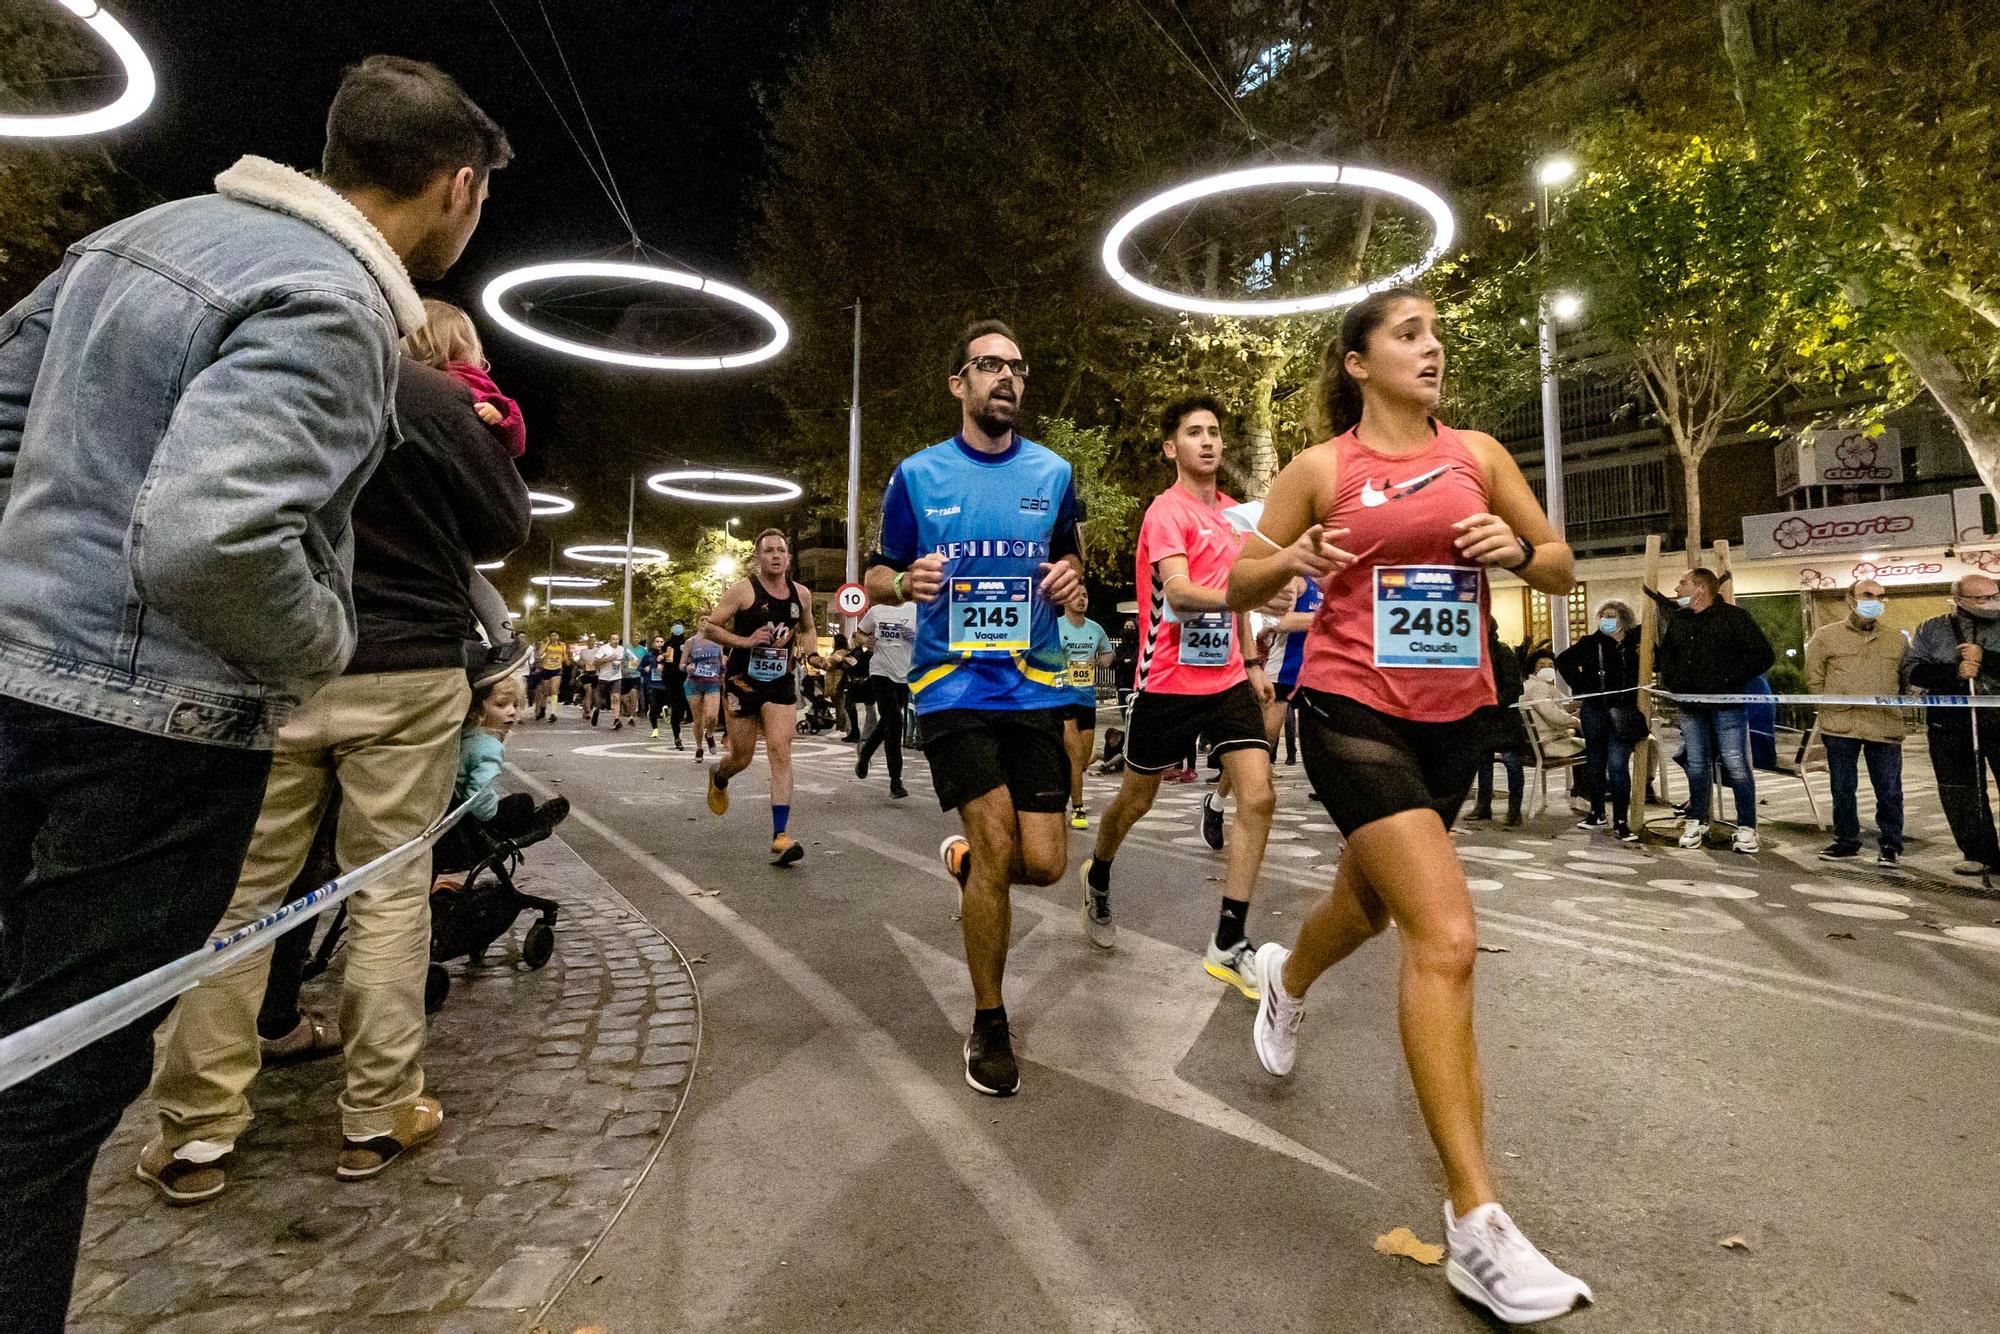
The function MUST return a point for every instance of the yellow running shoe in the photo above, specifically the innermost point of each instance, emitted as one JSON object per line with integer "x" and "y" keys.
{"x": 1236, "y": 965}
{"x": 718, "y": 796}
{"x": 785, "y": 851}
{"x": 1079, "y": 818}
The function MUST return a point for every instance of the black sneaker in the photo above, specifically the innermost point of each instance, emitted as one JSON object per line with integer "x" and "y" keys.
{"x": 1480, "y": 813}
{"x": 1625, "y": 832}
{"x": 1211, "y": 821}
{"x": 861, "y": 765}
{"x": 1840, "y": 852}
{"x": 499, "y": 662}
{"x": 1888, "y": 858}
{"x": 989, "y": 1061}
{"x": 1592, "y": 822}
{"x": 896, "y": 788}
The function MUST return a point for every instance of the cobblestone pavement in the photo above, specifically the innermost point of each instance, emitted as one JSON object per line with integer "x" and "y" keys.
{"x": 559, "y": 1087}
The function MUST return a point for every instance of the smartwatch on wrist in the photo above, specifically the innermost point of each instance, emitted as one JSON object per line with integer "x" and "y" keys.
{"x": 1527, "y": 552}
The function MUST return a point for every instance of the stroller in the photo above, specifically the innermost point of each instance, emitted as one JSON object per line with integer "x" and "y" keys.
{"x": 468, "y": 917}
{"x": 815, "y": 709}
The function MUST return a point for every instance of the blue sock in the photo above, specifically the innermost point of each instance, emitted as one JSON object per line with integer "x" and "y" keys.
{"x": 779, "y": 816}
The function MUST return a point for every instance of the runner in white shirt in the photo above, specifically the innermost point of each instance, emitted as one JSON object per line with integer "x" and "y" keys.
{"x": 609, "y": 662}
{"x": 889, "y": 632}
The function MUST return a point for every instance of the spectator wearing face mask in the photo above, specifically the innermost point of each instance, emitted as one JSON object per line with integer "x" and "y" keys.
{"x": 1858, "y": 655}
{"x": 1601, "y": 670}
{"x": 1713, "y": 647}
{"x": 1958, "y": 653}
{"x": 1547, "y": 712}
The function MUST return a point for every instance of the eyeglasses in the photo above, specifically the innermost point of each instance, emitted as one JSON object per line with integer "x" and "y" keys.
{"x": 994, "y": 365}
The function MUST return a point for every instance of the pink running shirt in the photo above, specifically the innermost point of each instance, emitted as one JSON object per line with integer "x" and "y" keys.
{"x": 1403, "y": 629}
{"x": 1197, "y": 654}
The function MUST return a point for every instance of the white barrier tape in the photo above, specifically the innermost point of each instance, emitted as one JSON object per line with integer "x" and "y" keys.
{"x": 30, "y": 1050}
{"x": 1879, "y": 701}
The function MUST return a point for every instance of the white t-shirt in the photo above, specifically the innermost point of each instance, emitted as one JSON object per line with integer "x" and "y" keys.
{"x": 895, "y": 631}
{"x": 610, "y": 660}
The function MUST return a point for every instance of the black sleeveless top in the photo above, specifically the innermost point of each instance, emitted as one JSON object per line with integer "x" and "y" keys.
{"x": 774, "y": 660}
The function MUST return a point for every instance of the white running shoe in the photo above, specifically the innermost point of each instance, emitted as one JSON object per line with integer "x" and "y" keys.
{"x": 1276, "y": 1032}
{"x": 1493, "y": 1264}
{"x": 1746, "y": 839}
{"x": 1693, "y": 832}
{"x": 1098, "y": 927}
{"x": 1236, "y": 965}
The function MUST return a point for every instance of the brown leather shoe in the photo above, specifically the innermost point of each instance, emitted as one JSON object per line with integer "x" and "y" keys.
{"x": 363, "y": 1158}
{"x": 187, "y": 1175}
{"x": 314, "y": 1036}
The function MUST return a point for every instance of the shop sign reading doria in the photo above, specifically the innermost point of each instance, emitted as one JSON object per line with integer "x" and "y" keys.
{"x": 1844, "y": 457}
{"x": 1919, "y": 521}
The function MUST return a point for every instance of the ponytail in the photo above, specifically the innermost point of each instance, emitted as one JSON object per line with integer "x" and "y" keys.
{"x": 1339, "y": 393}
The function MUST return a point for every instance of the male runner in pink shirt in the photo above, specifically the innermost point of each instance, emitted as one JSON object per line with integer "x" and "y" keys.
{"x": 1192, "y": 680}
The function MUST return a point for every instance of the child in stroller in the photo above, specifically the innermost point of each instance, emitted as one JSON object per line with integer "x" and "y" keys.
{"x": 468, "y": 912}
{"x": 815, "y": 707}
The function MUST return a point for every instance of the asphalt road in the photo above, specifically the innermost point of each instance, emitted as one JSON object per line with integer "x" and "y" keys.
{"x": 1680, "y": 1048}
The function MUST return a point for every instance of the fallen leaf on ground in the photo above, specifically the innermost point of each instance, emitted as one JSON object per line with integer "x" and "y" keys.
{"x": 706, "y": 893}
{"x": 1494, "y": 949}
{"x": 1736, "y": 1243}
{"x": 699, "y": 958}
{"x": 1402, "y": 1241}
{"x": 1840, "y": 935}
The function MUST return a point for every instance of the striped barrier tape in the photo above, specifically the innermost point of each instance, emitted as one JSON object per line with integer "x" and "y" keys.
{"x": 30, "y": 1050}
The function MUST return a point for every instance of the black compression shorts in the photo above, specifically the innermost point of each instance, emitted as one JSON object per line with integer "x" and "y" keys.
{"x": 1365, "y": 765}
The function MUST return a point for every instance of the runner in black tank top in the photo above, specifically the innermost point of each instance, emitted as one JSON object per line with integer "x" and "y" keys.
{"x": 762, "y": 632}
{"x": 766, "y": 671}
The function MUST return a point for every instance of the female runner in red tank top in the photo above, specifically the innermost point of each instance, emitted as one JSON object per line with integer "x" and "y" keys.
{"x": 1398, "y": 517}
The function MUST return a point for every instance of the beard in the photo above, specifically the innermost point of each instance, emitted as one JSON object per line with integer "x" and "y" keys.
{"x": 996, "y": 416}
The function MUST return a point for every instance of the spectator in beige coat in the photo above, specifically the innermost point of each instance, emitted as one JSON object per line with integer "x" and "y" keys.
{"x": 1858, "y": 655}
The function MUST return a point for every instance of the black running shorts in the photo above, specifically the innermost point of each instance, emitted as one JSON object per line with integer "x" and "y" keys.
{"x": 1162, "y": 728}
{"x": 747, "y": 698}
{"x": 1365, "y": 765}
{"x": 1083, "y": 715}
{"x": 973, "y": 751}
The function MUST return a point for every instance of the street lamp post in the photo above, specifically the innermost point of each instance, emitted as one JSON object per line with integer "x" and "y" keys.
{"x": 1551, "y": 174}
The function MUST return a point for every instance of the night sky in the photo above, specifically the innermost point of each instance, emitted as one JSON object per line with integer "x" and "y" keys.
{"x": 673, "y": 89}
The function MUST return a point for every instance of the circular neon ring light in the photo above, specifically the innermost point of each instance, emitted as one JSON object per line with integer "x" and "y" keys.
{"x": 781, "y": 332}
{"x": 777, "y": 489}
{"x": 579, "y": 602}
{"x": 613, "y": 553}
{"x": 490, "y": 565}
{"x": 139, "y": 85}
{"x": 547, "y": 504}
{"x": 566, "y": 581}
{"x": 1443, "y": 228}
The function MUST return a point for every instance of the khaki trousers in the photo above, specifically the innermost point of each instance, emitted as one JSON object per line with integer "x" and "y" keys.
{"x": 391, "y": 742}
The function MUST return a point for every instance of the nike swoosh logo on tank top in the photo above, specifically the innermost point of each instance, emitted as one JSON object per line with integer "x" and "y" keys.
{"x": 1372, "y": 495}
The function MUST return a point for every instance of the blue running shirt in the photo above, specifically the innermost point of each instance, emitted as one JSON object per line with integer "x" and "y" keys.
{"x": 989, "y": 641}
{"x": 1290, "y": 650}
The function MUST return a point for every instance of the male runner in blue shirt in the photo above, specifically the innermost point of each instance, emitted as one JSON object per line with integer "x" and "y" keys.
{"x": 980, "y": 531}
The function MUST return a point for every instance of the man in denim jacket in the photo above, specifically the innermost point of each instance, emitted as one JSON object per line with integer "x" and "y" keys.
{"x": 188, "y": 407}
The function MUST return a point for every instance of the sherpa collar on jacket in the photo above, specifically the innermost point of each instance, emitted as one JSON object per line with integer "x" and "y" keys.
{"x": 272, "y": 185}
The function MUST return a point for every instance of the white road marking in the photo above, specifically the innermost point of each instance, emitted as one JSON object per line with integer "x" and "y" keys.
{"x": 1073, "y": 1284}
{"x": 1799, "y": 987}
{"x": 1122, "y": 1021}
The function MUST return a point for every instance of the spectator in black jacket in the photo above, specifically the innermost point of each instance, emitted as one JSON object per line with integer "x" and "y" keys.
{"x": 1602, "y": 670}
{"x": 387, "y": 733}
{"x": 1712, "y": 647}
{"x": 1948, "y": 655}
{"x": 1505, "y": 735}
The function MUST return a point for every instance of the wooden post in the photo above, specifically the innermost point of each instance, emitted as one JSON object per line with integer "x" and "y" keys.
{"x": 1721, "y": 567}
{"x": 1642, "y": 754}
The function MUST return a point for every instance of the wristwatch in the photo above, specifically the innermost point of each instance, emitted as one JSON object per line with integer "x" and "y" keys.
{"x": 1527, "y": 552}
